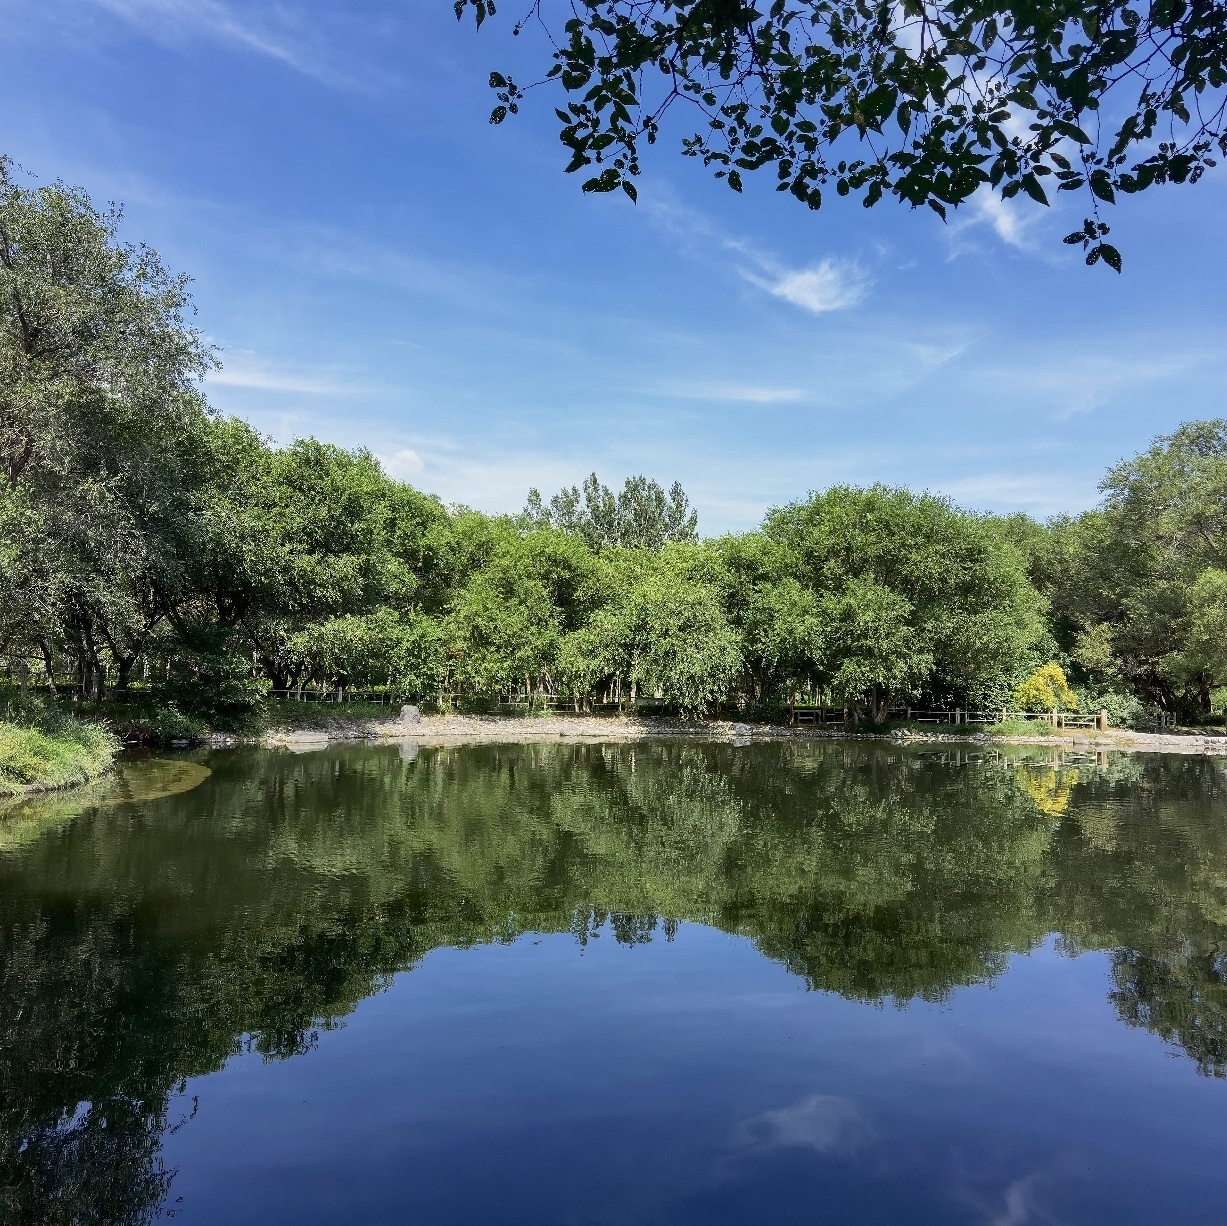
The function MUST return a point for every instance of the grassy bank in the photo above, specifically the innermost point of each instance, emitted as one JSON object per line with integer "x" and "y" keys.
{"x": 310, "y": 716}
{"x": 144, "y": 718}
{"x": 43, "y": 747}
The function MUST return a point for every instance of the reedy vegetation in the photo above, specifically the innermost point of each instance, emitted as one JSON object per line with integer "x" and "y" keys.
{"x": 147, "y": 541}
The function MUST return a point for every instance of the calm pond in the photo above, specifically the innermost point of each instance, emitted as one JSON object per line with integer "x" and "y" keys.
{"x": 834, "y": 982}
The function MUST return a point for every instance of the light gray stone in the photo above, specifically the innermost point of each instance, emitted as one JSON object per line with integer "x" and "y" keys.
{"x": 410, "y": 715}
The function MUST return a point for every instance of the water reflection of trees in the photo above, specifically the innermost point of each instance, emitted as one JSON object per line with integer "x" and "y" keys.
{"x": 146, "y": 944}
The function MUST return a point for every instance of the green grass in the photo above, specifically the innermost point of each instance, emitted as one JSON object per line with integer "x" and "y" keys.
{"x": 290, "y": 716}
{"x": 146, "y": 719}
{"x": 1028, "y": 727}
{"x": 1011, "y": 727}
{"x": 43, "y": 747}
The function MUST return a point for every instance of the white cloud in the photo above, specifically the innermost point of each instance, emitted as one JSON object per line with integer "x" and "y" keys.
{"x": 1019, "y": 1206}
{"x": 832, "y": 285}
{"x": 498, "y": 484}
{"x": 822, "y": 1122}
{"x": 1014, "y": 222}
{"x": 931, "y": 356}
{"x": 1041, "y": 494}
{"x": 1004, "y": 218}
{"x": 268, "y": 29}
{"x": 176, "y": 18}
{"x": 829, "y": 285}
{"x": 268, "y": 378}
{"x": 745, "y": 393}
{"x": 1019, "y": 1203}
{"x": 1069, "y": 382}
{"x": 402, "y": 464}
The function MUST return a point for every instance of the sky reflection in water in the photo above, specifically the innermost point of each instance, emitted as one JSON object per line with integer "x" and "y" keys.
{"x": 654, "y": 983}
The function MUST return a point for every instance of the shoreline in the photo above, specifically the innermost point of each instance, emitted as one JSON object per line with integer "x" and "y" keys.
{"x": 36, "y": 760}
{"x": 440, "y": 730}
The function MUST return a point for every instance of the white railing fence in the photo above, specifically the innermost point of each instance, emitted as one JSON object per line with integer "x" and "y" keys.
{"x": 952, "y": 715}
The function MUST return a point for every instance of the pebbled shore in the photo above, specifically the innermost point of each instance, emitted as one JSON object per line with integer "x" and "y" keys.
{"x": 495, "y": 729}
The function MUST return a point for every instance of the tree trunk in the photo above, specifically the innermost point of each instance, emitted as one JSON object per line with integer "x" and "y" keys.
{"x": 49, "y": 664}
{"x": 123, "y": 673}
{"x": 282, "y": 678}
{"x": 881, "y": 706}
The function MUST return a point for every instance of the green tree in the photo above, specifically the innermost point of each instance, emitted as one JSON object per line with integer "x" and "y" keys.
{"x": 661, "y": 632}
{"x": 506, "y": 623}
{"x": 101, "y": 431}
{"x": 1046, "y": 690}
{"x": 776, "y": 616}
{"x": 914, "y": 596}
{"x": 1206, "y": 650}
{"x": 293, "y": 537}
{"x": 641, "y": 516}
{"x": 1133, "y": 585}
{"x": 927, "y": 102}
{"x": 876, "y": 651}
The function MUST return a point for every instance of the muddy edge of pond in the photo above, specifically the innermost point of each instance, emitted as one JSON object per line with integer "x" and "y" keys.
{"x": 488, "y": 729}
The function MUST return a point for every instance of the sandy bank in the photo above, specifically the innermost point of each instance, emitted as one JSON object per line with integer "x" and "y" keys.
{"x": 494, "y": 729}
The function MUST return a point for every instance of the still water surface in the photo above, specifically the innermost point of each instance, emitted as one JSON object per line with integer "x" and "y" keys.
{"x": 820, "y": 983}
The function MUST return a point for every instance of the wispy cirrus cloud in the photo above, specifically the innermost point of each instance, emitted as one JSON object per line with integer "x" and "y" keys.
{"x": 1041, "y": 494}
{"x": 824, "y": 1123}
{"x": 1070, "y": 381}
{"x": 831, "y": 284}
{"x": 305, "y": 42}
{"x": 1019, "y": 223}
{"x": 736, "y": 393}
{"x": 177, "y": 18}
{"x": 257, "y": 375}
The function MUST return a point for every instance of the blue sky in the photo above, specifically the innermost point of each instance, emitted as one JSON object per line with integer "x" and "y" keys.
{"x": 379, "y": 267}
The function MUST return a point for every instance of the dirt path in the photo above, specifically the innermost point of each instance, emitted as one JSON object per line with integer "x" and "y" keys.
{"x": 495, "y": 729}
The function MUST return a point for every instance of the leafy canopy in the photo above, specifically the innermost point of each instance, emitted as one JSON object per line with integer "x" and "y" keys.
{"x": 101, "y": 427}
{"x": 925, "y": 100}
{"x": 1137, "y": 588}
{"x": 911, "y": 595}
{"x": 641, "y": 516}
{"x": 1046, "y": 690}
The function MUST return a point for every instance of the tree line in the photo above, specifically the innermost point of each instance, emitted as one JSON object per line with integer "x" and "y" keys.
{"x": 149, "y": 543}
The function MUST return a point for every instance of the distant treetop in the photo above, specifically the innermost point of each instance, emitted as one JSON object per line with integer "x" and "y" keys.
{"x": 641, "y": 516}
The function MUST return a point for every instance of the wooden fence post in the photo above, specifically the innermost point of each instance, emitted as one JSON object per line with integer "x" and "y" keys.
{"x": 1101, "y": 721}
